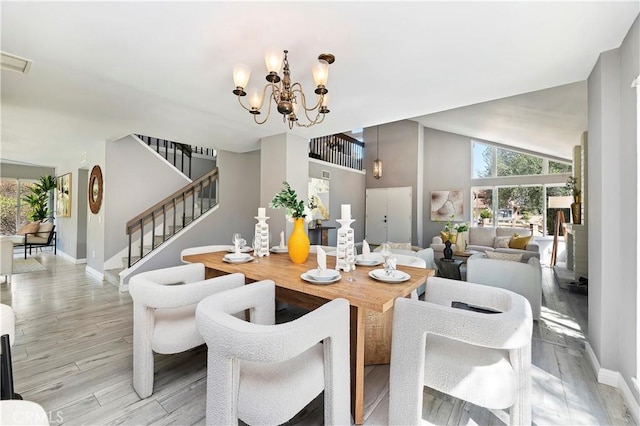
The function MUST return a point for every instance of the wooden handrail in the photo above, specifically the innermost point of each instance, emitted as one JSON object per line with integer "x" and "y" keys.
{"x": 134, "y": 223}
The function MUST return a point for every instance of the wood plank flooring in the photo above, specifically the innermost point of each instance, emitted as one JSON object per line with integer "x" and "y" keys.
{"x": 73, "y": 355}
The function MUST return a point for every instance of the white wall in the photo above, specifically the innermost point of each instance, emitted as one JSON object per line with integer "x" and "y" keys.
{"x": 613, "y": 150}
{"x": 135, "y": 179}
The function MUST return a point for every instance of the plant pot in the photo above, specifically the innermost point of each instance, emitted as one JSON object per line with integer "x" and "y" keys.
{"x": 576, "y": 213}
{"x": 298, "y": 242}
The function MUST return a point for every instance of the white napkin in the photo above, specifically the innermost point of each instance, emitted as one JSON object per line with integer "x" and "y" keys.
{"x": 322, "y": 259}
{"x": 282, "y": 239}
{"x": 391, "y": 263}
{"x": 366, "y": 250}
{"x": 236, "y": 244}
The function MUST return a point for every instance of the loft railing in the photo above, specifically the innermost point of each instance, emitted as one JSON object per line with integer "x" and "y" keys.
{"x": 338, "y": 149}
{"x": 169, "y": 149}
{"x": 160, "y": 222}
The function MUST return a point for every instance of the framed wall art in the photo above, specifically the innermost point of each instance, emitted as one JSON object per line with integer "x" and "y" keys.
{"x": 63, "y": 195}
{"x": 445, "y": 204}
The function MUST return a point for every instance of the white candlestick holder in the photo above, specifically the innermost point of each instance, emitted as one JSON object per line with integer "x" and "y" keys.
{"x": 346, "y": 248}
{"x": 261, "y": 249}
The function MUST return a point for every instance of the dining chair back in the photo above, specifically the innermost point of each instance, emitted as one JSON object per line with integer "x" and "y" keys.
{"x": 202, "y": 249}
{"x": 164, "y": 305}
{"x": 468, "y": 353}
{"x": 263, "y": 373}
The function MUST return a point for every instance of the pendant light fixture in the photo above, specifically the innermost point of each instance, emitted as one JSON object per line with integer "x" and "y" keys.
{"x": 377, "y": 164}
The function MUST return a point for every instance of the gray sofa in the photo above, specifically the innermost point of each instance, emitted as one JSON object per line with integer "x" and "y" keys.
{"x": 483, "y": 239}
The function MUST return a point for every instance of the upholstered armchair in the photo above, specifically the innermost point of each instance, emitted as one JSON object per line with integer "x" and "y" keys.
{"x": 201, "y": 249}
{"x": 6, "y": 258}
{"x": 263, "y": 373}
{"x": 483, "y": 358}
{"x": 164, "y": 305}
{"x": 522, "y": 278}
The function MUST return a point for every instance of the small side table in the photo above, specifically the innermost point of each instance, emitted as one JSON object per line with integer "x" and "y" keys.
{"x": 320, "y": 235}
{"x": 449, "y": 268}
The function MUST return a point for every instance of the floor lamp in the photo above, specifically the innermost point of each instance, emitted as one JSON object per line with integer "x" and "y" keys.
{"x": 560, "y": 202}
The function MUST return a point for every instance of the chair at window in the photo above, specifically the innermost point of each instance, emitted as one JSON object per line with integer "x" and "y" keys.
{"x": 164, "y": 304}
{"x": 263, "y": 373}
{"x": 483, "y": 358}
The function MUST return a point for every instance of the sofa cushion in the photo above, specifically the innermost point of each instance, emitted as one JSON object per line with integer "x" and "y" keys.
{"x": 516, "y": 257}
{"x": 399, "y": 246}
{"x": 29, "y": 228}
{"x": 482, "y": 236}
{"x": 501, "y": 242}
{"x": 519, "y": 242}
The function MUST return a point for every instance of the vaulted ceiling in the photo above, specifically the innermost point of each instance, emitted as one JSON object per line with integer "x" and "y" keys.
{"x": 105, "y": 69}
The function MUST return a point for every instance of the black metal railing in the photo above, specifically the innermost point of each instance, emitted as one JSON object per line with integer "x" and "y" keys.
{"x": 166, "y": 218}
{"x": 338, "y": 149}
{"x": 169, "y": 150}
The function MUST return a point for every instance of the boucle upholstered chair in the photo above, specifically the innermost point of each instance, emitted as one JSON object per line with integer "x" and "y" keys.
{"x": 202, "y": 249}
{"x": 263, "y": 373}
{"x": 164, "y": 305}
{"x": 16, "y": 412}
{"x": 477, "y": 357}
{"x": 522, "y": 278}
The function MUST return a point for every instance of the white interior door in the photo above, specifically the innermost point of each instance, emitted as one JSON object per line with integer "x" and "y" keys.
{"x": 399, "y": 214}
{"x": 376, "y": 216}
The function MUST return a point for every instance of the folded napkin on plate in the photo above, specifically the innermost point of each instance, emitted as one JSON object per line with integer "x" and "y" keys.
{"x": 282, "y": 239}
{"x": 322, "y": 259}
{"x": 236, "y": 247}
{"x": 366, "y": 250}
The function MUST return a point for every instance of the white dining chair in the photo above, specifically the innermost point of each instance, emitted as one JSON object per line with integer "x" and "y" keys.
{"x": 164, "y": 305}
{"x": 202, "y": 249}
{"x": 264, "y": 374}
{"x": 483, "y": 358}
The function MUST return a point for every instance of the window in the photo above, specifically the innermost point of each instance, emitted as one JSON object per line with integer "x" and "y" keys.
{"x": 490, "y": 161}
{"x": 482, "y": 202}
{"x": 13, "y": 210}
{"x": 520, "y": 207}
{"x": 511, "y": 163}
{"x": 557, "y": 167}
{"x": 482, "y": 160}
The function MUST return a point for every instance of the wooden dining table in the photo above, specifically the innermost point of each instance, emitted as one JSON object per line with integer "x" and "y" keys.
{"x": 371, "y": 303}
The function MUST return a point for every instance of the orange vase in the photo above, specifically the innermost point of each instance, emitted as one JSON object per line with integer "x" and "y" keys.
{"x": 298, "y": 242}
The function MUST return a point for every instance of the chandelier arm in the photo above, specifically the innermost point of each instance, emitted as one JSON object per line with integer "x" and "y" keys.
{"x": 242, "y": 105}
{"x": 255, "y": 116}
{"x": 306, "y": 111}
{"x": 318, "y": 120}
{"x": 304, "y": 99}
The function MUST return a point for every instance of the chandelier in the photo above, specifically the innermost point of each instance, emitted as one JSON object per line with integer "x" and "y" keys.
{"x": 288, "y": 97}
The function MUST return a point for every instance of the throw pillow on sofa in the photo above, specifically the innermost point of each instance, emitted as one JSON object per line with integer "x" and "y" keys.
{"x": 518, "y": 242}
{"x": 399, "y": 246}
{"x": 501, "y": 242}
{"x": 448, "y": 237}
{"x": 516, "y": 257}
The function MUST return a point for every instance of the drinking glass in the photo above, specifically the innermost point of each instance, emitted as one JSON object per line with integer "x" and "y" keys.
{"x": 256, "y": 247}
{"x": 351, "y": 262}
{"x": 385, "y": 252}
{"x": 236, "y": 239}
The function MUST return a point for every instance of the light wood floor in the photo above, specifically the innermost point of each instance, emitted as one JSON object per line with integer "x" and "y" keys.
{"x": 73, "y": 355}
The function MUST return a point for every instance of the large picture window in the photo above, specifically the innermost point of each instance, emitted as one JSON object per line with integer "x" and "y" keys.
{"x": 13, "y": 211}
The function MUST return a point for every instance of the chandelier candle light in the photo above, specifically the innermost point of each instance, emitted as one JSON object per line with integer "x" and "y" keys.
{"x": 287, "y": 96}
{"x": 345, "y": 249}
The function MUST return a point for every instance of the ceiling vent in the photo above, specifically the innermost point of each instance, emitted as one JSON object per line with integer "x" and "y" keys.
{"x": 15, "y": 63}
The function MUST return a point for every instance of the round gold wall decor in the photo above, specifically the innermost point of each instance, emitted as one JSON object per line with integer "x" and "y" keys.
{"x": 95, "y": 189}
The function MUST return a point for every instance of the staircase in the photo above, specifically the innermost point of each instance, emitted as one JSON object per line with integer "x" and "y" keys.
{"x": 169, "y": 151}
{"x": 156, "y": 225}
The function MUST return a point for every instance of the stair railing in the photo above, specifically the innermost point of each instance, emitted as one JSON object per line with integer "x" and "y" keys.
{"x": 169, "y": 150}
{"x": 171, "y": 214}
{"x": 338, "y": 149}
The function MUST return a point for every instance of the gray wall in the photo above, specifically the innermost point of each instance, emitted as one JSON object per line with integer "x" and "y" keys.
{"x": 83, "y": 212}
{"x": 346, "y": 187}
{"x": 200, "y": 166}
{"x": 399, "y": 154}
{"x": 19, "y": 171}
{"x": 137, "y": 179}
{"x": 613, "y": 159}
{"x": 239, "y": 195}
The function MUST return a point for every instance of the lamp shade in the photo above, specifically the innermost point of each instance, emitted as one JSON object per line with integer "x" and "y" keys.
{"x": 560, "y": 202}
{"x": 273, "y": 60}
{"x": 321, "y": 72}
{"x": 377, "y": 168}
{"x": 241, "y": 73}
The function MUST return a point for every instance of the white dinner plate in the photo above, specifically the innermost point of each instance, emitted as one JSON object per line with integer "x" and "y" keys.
{"x": 278, "y": 249}
{"x": 372, "y": 260}
{"x": 308, "y": 278}
{"x": 326, "y": 275}
{"x": 245, "y": 249}
{"x": 395, "y": 277}
{"x": 236, "y": 257}
{"x": 238, "y": 260}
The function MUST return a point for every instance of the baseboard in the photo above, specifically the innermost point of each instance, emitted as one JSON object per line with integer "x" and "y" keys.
{"x": 614, "y": 379}
{"x": 71, "y": 258}
{"x": 94, "y": 272}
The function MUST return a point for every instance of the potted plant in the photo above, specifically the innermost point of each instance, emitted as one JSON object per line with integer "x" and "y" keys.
{"x": 576, "y": 207}
{"x": 297, "y": 212}
{"x": 40, "y": 198}
{"x": 485, "y": 215}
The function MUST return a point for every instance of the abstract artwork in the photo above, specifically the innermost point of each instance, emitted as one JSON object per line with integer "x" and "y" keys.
{"x": 63, "y": 195}
{"x": 444, "y": 204}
